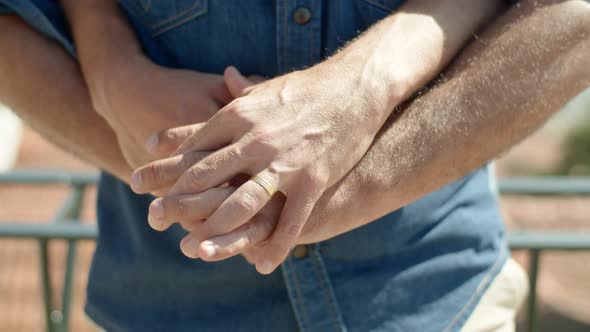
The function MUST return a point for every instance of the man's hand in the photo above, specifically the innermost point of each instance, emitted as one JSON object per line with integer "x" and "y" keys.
{"x": 302, "y": 132}
{"x": 142, "y": 98}
{"x": 487, "y": 91}
{"x": 134, "y": 95}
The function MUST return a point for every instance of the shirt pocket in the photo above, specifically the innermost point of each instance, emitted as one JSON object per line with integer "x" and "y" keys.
{"x": 159, "y": 16}
{"x": 372, "y": 11}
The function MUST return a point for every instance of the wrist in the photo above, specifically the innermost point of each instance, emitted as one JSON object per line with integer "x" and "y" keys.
{"x": 382, "y": 87}
{"x": 116, "y": 76}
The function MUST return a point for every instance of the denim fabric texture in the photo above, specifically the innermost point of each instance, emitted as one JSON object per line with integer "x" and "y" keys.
{"x": 421, "y": 268}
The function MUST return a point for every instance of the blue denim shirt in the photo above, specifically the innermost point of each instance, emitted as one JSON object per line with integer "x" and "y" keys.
{"x": 422, "y": 268}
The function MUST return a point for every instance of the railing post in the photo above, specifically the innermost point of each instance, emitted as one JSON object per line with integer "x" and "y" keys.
{"x": 58, "y": 320}
{"x": 78, "y": 196}
{"x": 534, "y": 256}
{"x": 46, "y": 283}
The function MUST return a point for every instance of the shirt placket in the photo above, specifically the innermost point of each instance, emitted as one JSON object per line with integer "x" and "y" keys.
{"x": 310, "y": 291}
{"x": 298, "y": 33}
{"x": 298, "y": 39}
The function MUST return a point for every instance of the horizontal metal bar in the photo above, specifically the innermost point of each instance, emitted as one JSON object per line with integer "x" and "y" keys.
{"x": 544, "y": 186}
{"x": 516, "y": 240}
{"x": 549, "y": 241}
{"x": 68, "y": 230}
{"x": 37, "y": 177}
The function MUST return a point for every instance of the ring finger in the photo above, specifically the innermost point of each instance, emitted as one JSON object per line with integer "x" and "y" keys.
{"x": 186, "y": 209}
{"x": 235, "y": 211}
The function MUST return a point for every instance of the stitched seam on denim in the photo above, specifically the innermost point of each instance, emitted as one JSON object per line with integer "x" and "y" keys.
{"x": 480, "y": 288}
{"x": 323, "y": 274}
{"x": 179, "y": 22}
{"x": 292, "y": 286}
{"x": 311, "y": 36}
{"x": 285, "y": 36}
{"x": 378, "y": 5}
{"x": 304, "y": 316}
{"x": 277, "y": 38}
{"x": 179, "y": 15}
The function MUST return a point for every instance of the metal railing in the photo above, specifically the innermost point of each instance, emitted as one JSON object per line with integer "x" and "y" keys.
{"x": 538, "y": 242}
{"x": 66, "y": 225}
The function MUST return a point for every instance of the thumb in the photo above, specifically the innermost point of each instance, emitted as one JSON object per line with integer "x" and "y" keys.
{"x": 236, "y": 83}
{"x": 165, "y": 142}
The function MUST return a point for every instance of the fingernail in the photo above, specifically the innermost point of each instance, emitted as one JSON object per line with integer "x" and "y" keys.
{"x": 208, "y": 249}
{"x": 232, "y": 69}
{"x": 136, "y": 180}
{"x": 156, "y": 215}
{"x": 157, "y": 209}
{"x": 151, "y": 143}
{"x": 190, "y": 248}
{"x": 266, "y": 267}
{"x": 155, "y": 224}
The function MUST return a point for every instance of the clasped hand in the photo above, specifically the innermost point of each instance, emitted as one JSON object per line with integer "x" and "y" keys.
{"x": 299, "y": 133}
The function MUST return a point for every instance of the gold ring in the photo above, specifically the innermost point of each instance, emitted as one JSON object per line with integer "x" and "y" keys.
{"x": 265, "y": 184}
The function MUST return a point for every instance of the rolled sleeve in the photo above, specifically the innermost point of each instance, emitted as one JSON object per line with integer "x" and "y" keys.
{"x": 45, "y": 16}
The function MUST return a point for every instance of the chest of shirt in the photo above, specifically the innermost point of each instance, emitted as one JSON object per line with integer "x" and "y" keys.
{"x": 261, "y": 37}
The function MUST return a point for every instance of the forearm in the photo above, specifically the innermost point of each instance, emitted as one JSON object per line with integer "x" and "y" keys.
{"x": 505, "y": 85}
{"x": 406, "y": 50}
{"x": 104, "y": 40}
{"x": 44, "y": 86}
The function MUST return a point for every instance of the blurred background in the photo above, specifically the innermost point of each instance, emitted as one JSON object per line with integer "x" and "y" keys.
{"x": 562, "y": 147}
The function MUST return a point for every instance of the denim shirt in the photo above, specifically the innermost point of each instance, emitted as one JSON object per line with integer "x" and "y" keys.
{"x": 423, "y": 267}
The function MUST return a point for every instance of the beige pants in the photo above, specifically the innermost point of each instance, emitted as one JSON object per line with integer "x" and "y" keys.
{"x": 496, "y": 309}
{"x": 498, "y": 306}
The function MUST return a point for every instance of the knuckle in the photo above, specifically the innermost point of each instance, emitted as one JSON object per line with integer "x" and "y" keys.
{"x": 152, "y": 174}
{"x": 234, "y": 108}
{"x": 232, "y": 154}
{"x": 179, "y": 208}
{"x": 244, "y": 239}
{"x": 246, "y": 203}
{"x": 235, "y": 152}
{"x": 195, "y": 176}
{"x": 167, "y": 136}
{"x": 174, "y": 207}
{"x": 238, "y": 112}
{"x": 292, "y": 231}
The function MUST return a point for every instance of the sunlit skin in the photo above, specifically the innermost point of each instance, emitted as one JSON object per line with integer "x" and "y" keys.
{"x": 304, "y": 131}
{"x": 426, "y": 161}
{"x": 441, "y": 136}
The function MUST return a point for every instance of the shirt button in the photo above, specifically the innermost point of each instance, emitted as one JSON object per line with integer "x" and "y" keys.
{"x": 301, "y": 15}
{"x": 300, "y": 251}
